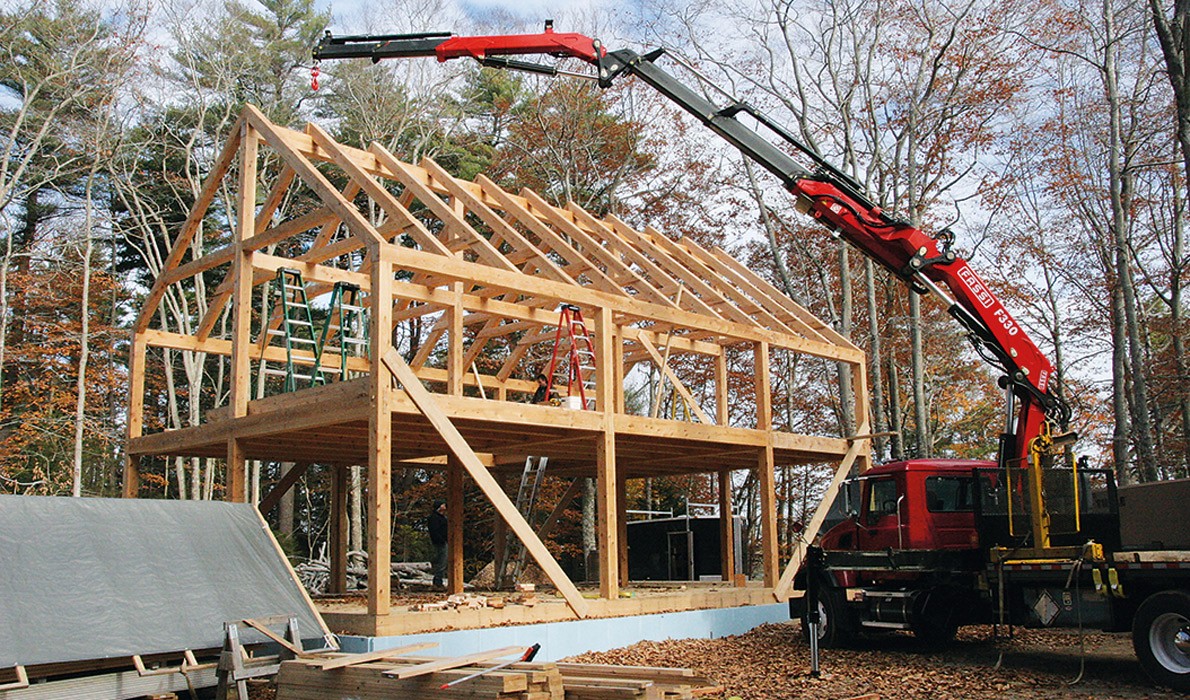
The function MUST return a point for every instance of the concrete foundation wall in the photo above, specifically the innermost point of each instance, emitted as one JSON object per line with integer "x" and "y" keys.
{"x": 562, "y": 639}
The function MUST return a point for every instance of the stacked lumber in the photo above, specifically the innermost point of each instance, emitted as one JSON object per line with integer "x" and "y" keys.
{"x": 598, "y": 681}
{"x": 304, "y": 679}
{"x": 424, "y": 677}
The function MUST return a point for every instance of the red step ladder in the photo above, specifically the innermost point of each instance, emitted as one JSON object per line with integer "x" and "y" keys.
{"x": 579, "y": 357}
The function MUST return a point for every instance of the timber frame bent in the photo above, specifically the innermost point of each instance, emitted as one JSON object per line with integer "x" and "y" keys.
{"x": 481, "y": 266}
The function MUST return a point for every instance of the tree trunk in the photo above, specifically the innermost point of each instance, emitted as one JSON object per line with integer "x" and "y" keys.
{"x": 589, "y": 540}
{"x": 846, "y": 388}
{"x": 1120, "y": 179}
{"x": 921, "y": 414}
{"x": 80, "y": 406}
{"x": 879, "y": 444}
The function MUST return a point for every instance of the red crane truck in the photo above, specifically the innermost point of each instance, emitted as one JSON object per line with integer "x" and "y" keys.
{"x": 925, "y": 545}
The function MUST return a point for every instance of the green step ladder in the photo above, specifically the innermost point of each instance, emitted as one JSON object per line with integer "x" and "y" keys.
{"x": 297, "y": 331}
{"x": 345, "y": 331}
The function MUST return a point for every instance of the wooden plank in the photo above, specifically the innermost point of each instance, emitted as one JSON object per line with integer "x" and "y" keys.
{"x": 380, "y": 655}
{"x": 264, "y": 629}
{"x": 455, "y": 662}
{"x": 425, "y": 403}
{"x": 766, "y": 469}
{"x": 673, "y": 378}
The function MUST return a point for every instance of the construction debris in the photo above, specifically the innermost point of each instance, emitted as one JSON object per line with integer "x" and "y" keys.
{"x": 466, "y": 601}
{"x": 424, "y": 677}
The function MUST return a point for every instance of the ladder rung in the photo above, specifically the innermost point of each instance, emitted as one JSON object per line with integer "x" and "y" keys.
{"x": 307, "y": 341}
{"x": 298, "y": 322}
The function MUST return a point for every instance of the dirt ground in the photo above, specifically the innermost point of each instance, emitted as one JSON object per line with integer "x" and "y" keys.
{"x": 772, "y": 662}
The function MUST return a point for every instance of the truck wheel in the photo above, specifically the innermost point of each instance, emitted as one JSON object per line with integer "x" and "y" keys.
{"x": 837, "y": 626}
{"x": 1161, "y": 638}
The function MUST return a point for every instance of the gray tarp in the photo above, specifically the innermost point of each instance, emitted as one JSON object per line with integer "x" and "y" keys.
{"x": 92, "y": 578}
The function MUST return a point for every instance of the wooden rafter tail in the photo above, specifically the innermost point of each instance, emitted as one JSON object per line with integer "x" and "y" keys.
{"x": 197, "y": 212}
{"x": 705, "y": 299}
{"x": 662, "y": 281}
{"x": 782, "y": 301}
{"x": 505, "y": 230}
{"x": 595, "y": 253}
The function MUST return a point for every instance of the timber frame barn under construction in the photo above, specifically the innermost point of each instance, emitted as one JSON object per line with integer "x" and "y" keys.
{"x": 479, "y": 264}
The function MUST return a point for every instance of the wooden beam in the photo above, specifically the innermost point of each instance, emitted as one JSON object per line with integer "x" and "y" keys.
{"x": 793, "y": 310}
{"x": 380, "y": 437}
{"x": 379, "y": 655}
{"x": 722, "y": 394}
{"x": 455, "y": 369}
{"x": 507, "y": 510}
{"x": 606, "y": 481}
{"x": 622, "y": 525}
{"x": 501, "y": 228}
{"x": 454, "y": 511}
{"x": 338, "y": 540}
{"x": 726, "y": 527}
{"x": 136, "y": 411}
{"x": 240, "y": 375}
{"x": 783, "y": 587}
{"x": 194, "y": 219}
{"x": 594, "y": 253}
{"x": 286, "y": 482}
{"x": 766, "y": 469}
{"x": 315, "y": 180}
{"x": 673, "y": 378}
{"x": 453, "y": 662}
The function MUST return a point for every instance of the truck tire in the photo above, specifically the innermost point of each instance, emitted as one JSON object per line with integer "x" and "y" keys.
{"x": 838, "y": 625}
{"x": 1161, "y": 638}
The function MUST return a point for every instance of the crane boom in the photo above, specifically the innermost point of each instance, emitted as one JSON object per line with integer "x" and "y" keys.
{"x": 926, "y": 263}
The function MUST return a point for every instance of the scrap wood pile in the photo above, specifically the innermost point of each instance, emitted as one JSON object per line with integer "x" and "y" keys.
{"x": 393, "y": 673}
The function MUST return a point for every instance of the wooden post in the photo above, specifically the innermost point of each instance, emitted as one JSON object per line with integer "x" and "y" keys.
{"x": 241, "y": 305}
{"x": 766, "y": 468}
{"x": 380, "y": 437}
{"x": 618, "y": 365}
{"x": 455, "y": 370}
{"x": 454, "y": 516}
{"x": 340, "y": 487}
{"x": 863, "y": 422}
{"x": 622, "y": 525}
{"x": 136, "y": 412}
{"x": 726, "y": 527}
{"x": 722, "y": 415}
{"x": 605, "y": 459}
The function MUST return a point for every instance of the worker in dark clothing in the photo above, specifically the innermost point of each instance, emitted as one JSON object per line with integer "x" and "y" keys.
{"x": 438, "y": 537}
{"x": 543, "y": 395}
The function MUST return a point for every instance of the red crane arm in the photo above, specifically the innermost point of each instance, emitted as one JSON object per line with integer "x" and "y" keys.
{"x": 836, "y": 200}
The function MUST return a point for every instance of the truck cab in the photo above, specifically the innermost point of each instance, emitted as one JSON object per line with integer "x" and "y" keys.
{"x": 921, "y": 504}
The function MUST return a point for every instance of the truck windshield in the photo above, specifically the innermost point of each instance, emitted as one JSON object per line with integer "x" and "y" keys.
{"x": 949, "y": 494}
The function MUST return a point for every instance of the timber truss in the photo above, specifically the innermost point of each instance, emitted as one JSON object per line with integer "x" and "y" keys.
{"x": 484, "y": 269}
